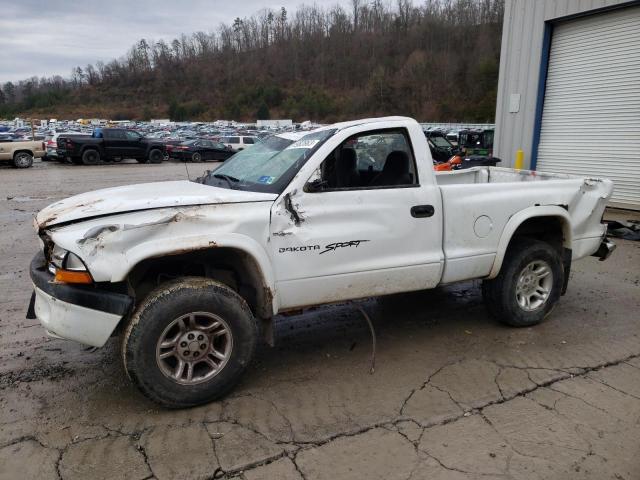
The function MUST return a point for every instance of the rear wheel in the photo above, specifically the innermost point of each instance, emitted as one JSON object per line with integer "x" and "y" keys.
{"x": 196, "y": 157}
{"x": 91, "y": 157}
{"x": 189, "y": 342}
{"x": 528, "y": 285}
{"x": 22, "y": 160}
{"x": 156, "y": 155}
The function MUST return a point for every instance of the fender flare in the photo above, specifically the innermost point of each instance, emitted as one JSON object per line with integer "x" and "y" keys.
{"x": 518, "y": 219}
{"x": 242, "y": 243}
{"x": 98, "y": 148}
{"x": 22, "y": 150}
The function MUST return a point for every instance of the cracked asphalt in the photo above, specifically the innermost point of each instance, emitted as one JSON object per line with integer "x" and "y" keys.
{"x": 454, "y": 395}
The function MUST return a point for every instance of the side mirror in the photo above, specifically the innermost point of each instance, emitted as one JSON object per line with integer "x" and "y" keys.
{"x": 315, "y": 186}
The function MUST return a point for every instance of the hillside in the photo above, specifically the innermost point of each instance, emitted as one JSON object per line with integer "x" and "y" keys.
{"x": 437, "y": 61}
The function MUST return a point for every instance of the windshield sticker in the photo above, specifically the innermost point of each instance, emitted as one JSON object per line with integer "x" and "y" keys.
{"x": 303, "y": 144}
{"x": 266, "y": 179}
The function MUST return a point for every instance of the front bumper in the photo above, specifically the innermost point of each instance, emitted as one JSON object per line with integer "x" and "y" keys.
{"x": 84, "y": 313}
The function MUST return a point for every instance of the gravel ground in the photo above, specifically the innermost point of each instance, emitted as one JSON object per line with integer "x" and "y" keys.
{"x": 454, "y": 394}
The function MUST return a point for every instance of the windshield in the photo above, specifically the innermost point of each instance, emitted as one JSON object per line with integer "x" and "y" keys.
{"x": 267, "y": 166}
{"x": 440, "y": 142}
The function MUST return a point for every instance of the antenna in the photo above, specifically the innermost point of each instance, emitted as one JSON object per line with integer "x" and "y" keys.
{"x": 187, "y": 169}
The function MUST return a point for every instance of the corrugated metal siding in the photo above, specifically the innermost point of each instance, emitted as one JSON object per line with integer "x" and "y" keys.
{"x": 522, "y": 35}
{"x": 591, "y": 116}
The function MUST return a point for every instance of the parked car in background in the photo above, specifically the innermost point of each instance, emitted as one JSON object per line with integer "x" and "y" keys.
{"x": 21, "y": 153}
{"x": 200, "y": 150}
{"x": 441, "y": 148}
{"x": 51, "y": 145}
{"x": 476, "y": 141}
{"x": 238, "y": 142}
{"x": 109, "y": 144}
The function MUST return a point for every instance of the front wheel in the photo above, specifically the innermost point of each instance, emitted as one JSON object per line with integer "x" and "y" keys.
{"x": 22, "y": 160}
{"x": 528, "y": 285}
{"x": 189, "y": 342}
{"x": 196, "y": 157}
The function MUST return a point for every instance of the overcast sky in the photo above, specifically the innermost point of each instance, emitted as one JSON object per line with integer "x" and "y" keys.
{"x": 49, "y": 37}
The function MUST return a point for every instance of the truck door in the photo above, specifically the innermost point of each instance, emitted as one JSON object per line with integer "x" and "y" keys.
{"x": 363, "y": 226}
{"x": 115, "y": 142}
{"x": 134, "y": 146}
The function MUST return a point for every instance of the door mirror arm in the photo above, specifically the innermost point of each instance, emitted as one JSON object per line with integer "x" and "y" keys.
{"x": 316, "y": 186}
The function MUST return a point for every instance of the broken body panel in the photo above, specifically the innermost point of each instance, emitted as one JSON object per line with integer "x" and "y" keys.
{"x": 313, "y": 247}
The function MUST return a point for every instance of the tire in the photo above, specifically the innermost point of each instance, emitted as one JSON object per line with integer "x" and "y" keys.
{"x": 517, "y": 295}
{"x": 90, "y": 157}
{"x": 196, "y": 157}
{"x": 22, "y": 160}
{"x": 155, "y": 155}
{"x": 158, "y": 317}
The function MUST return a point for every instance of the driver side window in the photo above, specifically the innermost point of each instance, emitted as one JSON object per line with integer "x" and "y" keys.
{"x": 380, "y": 159}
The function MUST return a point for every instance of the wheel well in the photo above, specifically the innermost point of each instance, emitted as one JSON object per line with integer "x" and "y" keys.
{"x": 551, "y": 229}
{"x": 22, "y": 151}
{"x": 232, "y": 267}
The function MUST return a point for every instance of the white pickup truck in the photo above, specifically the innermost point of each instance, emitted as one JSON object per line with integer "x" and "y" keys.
{"x": 189, "y": 273}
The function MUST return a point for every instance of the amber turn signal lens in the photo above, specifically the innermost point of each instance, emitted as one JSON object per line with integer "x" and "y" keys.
{"x": 70, "y": 276}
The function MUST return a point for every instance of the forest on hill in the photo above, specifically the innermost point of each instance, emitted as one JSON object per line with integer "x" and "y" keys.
{"x": 436, "y": 61}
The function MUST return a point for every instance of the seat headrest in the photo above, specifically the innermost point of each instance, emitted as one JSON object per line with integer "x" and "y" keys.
{"x": 397, "y": 162}
{"x": 348, "y": 159}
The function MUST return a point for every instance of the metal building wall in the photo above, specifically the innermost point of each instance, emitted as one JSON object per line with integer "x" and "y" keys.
{"x": 521, "y": 51}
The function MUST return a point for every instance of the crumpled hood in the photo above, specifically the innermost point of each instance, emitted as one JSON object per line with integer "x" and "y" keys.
{"x": 142, "y": 196}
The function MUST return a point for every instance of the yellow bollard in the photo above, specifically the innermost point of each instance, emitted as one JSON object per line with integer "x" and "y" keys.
{"x": 519, "y": 165}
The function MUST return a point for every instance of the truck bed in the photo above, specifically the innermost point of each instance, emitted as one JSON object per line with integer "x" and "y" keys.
{"x": 479, "y": 202}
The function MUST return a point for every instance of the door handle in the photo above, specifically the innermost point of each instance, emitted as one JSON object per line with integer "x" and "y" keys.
{"x": 421, "y": 211}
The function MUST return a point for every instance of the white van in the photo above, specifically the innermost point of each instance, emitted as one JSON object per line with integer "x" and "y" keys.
{"x": 238, "y": 142}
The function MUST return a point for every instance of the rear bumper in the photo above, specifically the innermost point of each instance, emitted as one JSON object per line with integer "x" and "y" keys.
{"x": 606, "y": 248}
{"x": 82, "y": 313}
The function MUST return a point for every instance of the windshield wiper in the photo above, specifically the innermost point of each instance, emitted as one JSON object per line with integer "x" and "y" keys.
{"x": 227, "y": 178}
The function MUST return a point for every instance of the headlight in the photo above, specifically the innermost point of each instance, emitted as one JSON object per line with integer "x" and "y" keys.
{"x": 68, "y": 267}
{"x": 73, "y": 262}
